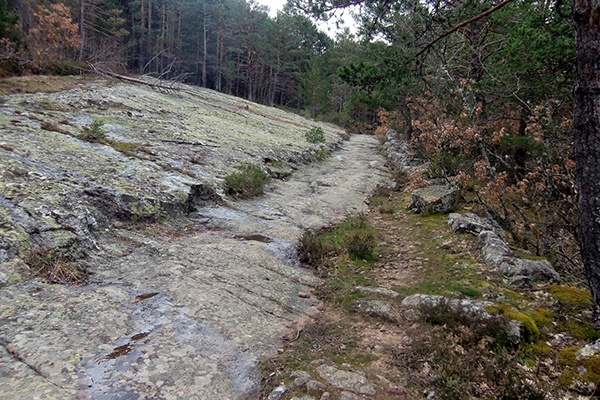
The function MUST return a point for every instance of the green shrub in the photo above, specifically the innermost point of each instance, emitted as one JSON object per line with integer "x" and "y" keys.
{"x": 248, "y": 182}
{"x": 315, "y": 135}
{"x": 355, "y": 237}
{"x": 94, "y": 132}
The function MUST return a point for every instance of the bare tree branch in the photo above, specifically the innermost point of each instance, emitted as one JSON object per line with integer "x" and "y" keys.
{"x": 463, "y": 24}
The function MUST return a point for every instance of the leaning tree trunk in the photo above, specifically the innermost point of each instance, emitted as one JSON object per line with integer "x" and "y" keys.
{"x": 587, "y": 140}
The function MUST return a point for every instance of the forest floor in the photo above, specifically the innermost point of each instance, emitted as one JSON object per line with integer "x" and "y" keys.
{"x": 436, "y": 354}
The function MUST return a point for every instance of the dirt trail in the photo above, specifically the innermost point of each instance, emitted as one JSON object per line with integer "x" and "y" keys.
{"x": 182, "y": 312}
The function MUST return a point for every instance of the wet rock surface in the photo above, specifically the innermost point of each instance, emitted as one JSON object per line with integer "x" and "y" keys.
{"x": 182, "y": 308}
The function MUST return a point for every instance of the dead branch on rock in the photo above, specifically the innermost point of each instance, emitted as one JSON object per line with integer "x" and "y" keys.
{"x": 157, "y": 84}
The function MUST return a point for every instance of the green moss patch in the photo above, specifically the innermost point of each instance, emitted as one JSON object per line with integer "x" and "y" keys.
{"x": 571, "y": 296}
{"x": 584, "y": 370}
{"x": 530, "y": 328}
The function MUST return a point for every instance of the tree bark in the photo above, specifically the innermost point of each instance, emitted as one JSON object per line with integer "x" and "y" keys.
{"x": 81, "y": 28}
{"x": 586, "y": 123}
{"x": 204, "y": 45}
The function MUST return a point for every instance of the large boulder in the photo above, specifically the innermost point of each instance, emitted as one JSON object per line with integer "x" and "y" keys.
{"x": 523, "y": 272}
{"x": 440, "y": 199}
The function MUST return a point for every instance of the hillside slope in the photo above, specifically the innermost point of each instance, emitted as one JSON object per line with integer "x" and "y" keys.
{"x": 188, "y": 290}
{"x": 161, "y": 153}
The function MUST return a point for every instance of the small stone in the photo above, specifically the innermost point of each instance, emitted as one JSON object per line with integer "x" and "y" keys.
{"x": 302, "y": 377}
{"x": 514, "y": 332}
{"x": 349, "y": 396}
{"x": 520, "y": 282}
{"x": 326, "y": 396}
{"x": 300, "y": 374}
{"x": 304, "y": 295}
{"x": 589, "y": 350}
{"x": 277, "y": 392}
{"x": 447, "y": 245}
{"x": 316, "y": 363}
{"x": 315, "y": 386}
{"x": 378, "y": 291}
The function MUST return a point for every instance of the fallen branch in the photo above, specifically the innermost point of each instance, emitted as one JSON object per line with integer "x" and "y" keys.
{"x": 187, "y": 143}
{"x": 99, "y": 71}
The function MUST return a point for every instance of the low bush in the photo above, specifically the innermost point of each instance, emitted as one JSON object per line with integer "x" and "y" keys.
{"x": 355, "y": 237}
{"x": 312, "y": 249}
{"x": 315, "y": 135}
{"x": 463, "y": 357}
{"x": 247, "y": 182}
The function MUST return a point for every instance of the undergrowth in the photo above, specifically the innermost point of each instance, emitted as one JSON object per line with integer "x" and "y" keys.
{"x": 247, "y": 182}
{"x": 343, "y": 254}
{"x": 462, "y": 356}
{"x": 355, "y": 237}
{"x": 94, "y": 132}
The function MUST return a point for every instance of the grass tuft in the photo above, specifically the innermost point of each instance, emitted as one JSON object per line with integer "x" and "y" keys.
{"x": 53, "y": 266}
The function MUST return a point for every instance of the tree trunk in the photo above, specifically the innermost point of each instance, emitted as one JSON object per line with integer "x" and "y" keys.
{"x": 586, "y": 122}
{"x": 81, "y": 28}
{"x": 204, "y": 45}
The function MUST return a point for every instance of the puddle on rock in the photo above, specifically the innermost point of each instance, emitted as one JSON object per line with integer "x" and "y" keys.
{"x": 120, "y": 351}
{"x": 142, "y": 297}
{"x": 139, "y": 336}
{"x": 257, "y": 237}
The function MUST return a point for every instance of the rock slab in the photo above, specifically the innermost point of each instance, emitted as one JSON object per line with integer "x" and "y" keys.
{"x": 350, "y": 381}
{"x": 379, "y": 309}
{"x": 441, "y": 199}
